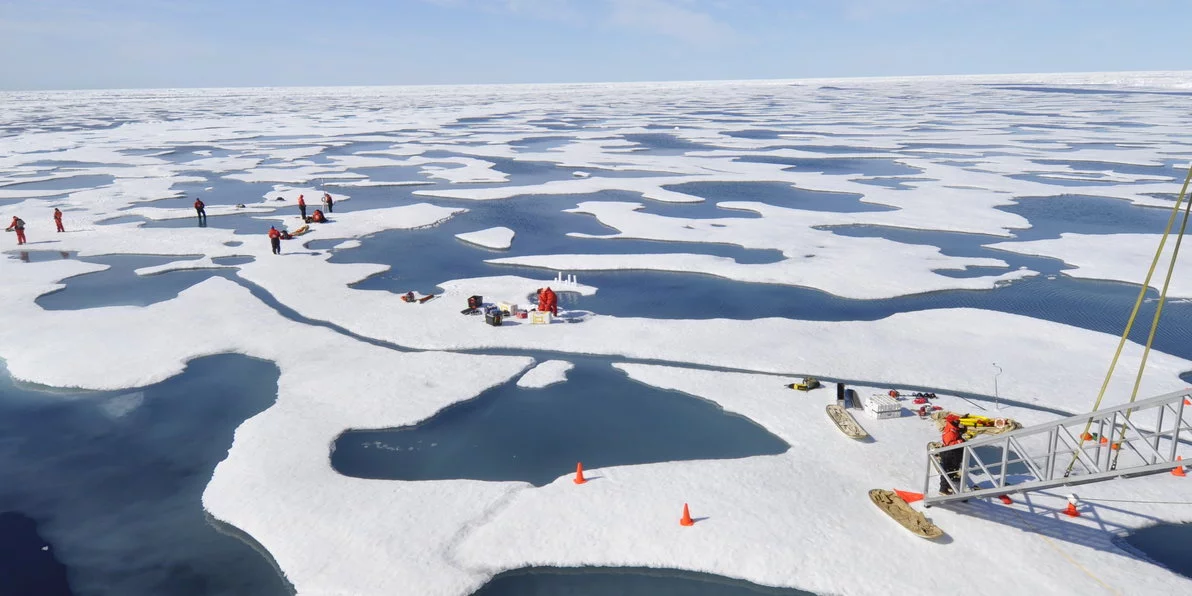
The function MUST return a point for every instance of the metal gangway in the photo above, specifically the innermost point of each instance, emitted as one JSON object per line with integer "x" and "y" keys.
{"x": 1134, "y": 439}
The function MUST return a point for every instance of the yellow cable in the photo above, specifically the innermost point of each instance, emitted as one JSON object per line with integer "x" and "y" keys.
{"x": 1150, "y": 339}
{"x": 1065, "y": 555}
{"x": 1146, "y": 283}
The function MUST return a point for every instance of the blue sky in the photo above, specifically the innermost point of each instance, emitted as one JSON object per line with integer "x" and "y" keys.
{"x": 71, "y": 44}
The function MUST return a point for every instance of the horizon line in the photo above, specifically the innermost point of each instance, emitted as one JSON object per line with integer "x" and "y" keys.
{"x": 881, "y": 78}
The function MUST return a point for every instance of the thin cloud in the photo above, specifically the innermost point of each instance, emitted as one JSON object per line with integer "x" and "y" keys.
{"x": 683, "y": 20}
{"x": 676, "y": 19}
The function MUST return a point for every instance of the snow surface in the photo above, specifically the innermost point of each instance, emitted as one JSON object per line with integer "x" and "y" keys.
{"x": 1117, "y": 257}
{"x": 963, "y": 146}
{"x": 546, "y": 374}
{"x": 498, "y": 238}
{"x": 772, "y": 519}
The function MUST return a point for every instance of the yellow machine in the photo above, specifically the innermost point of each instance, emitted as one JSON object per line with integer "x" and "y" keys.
{"x": 807, "y": 384}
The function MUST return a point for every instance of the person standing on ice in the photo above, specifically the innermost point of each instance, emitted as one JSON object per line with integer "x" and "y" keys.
{"x": 275, "y": 240}
{"x": 58, "y": 219}
{"x": 302, "y": 207}
{"x": 18, "y": 226}
{"x": 950, "y": 460}
{"x": 328, "y": 202}
{"x": 201, "y": 210}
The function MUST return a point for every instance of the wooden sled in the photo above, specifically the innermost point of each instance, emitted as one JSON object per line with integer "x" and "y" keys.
{"x": 845, "y": 422}
{"x": 424, "y": 299}
{"x": 300, "y": 231}
{"x": 900, "y": 511}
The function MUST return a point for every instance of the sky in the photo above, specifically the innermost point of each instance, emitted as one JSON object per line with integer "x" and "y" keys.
{"x": 87, "y": 44}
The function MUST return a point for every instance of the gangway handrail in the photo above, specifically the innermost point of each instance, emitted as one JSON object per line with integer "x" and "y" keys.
{"x": 1039, "y": 429}
{"x": 1039, "y": 461}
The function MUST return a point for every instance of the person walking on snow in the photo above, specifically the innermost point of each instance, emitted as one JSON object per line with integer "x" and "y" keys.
{"x": 329, "y": 202}
{"x": 201, "y": 210}
{"x": 18, "y": 225}
{"x": 58, "y": 219}
{"x": 302, "y": 207}
{"x": 950, "y": 460}
{"x": 275, "y": 240}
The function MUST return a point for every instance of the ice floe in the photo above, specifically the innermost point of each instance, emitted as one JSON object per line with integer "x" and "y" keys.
{"x": 1117, "y": 257}
{"x": 498, "y": 238}
{"x": 545, "y": 374}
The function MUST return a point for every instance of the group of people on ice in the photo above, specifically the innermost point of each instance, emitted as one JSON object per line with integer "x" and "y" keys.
{"x": 18, "y": 226}
{"x": 317, "y": 216}
{"x": 275, "y": 236}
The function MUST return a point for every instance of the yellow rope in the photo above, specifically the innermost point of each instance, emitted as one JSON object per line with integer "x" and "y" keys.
{"x": 1146, "y": 283}
{"x": 1175, "y": 254}
{"x": 1064, "y": 554}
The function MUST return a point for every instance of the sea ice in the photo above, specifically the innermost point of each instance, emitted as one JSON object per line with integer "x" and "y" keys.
{"x": 545, "y": 374}
{"x": 498, "y": 238}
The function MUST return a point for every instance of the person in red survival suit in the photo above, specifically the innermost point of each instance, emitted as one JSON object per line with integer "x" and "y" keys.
{"x": 58, "y": 219}
{"x": 18, "y": 225}
{"x": 275, "y": 240}
{"x": 950, "y": 461}
{"x": 201, "y": 210}
{"x": 548, "y": 301}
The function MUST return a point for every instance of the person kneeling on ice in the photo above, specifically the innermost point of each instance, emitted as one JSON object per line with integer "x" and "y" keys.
{"x": 548, "y": 301}
{"x": 950, "y": 460}
{"x": 275, "y": 240}
{"x": 317, "y": 217}
{"x": 18, "y": 226}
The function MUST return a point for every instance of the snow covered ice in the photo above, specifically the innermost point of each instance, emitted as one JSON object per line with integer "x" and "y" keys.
{"x": 898, "y": 195}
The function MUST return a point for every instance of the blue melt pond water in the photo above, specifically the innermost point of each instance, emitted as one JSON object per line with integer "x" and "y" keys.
{"x": 114, "y": 481}
{"x": 119, "y": 285}
{"x": 1051, "y": 216}
{"x": 598, "y": 416}
{"x": 63, "y": 183}
{"x": 780, "y": 195}
{"x": 421, "y": 259}
{"x": 27, "y": 563}
{"x": 622, "y": 581}
{"x": 1169, "y": 545}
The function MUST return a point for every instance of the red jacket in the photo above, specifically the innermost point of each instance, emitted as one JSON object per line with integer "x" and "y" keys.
{"x": 199, "y": 203}
{"x": 952, "y": 434}
{"x": 301, "y": 203}
{"x": 57, "y": 215}
{"x": 273, "y": 233}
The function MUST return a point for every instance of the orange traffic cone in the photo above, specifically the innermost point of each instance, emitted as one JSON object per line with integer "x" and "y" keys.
{"x": 1104, "y": 440}
{"x": 1071, "y": 510}
{"x": 579, "y": 473}
{"x": 1006, "y": 499}
{"x": 1179, "y": 471}
{"x": 686, "y": 520}
{"x": 1187, "y": 402}
{"x": 909, "y": 496}
{"x": 1086, "y": 437}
